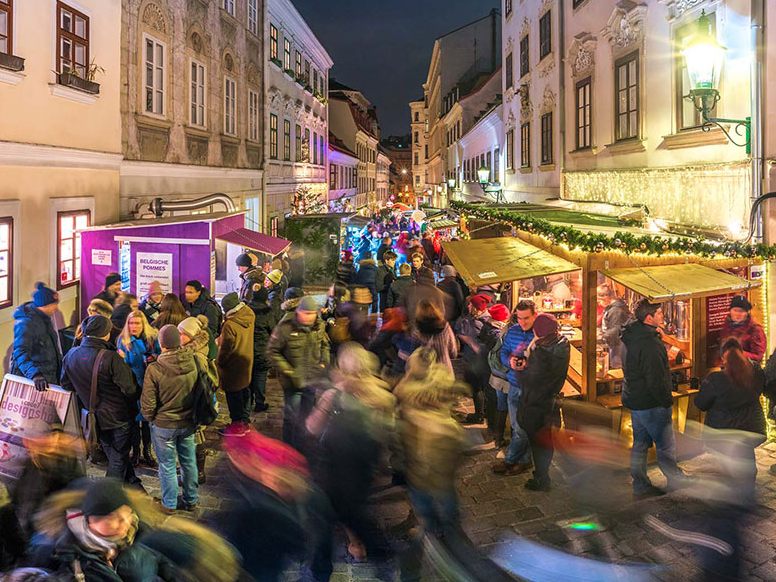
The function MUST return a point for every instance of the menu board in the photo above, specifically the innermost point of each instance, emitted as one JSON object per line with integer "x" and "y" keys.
{"x": 717, "y": 309}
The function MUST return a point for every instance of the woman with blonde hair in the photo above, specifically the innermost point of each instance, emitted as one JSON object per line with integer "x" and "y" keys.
{"x": 138, "y": 345}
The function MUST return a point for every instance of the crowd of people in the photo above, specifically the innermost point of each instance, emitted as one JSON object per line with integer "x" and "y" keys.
{"x": 370, "y": 380}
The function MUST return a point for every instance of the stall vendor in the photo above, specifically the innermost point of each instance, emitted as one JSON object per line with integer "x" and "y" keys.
{"x": 740, "y": 325}
{"x": 615, "y": 316}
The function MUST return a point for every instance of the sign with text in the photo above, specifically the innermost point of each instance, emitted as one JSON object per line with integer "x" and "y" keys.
{"x": 22, "y": 409}
{"x": 153, "y": 267}
{"x": 101, "y": 257}
{"x": 717, "y": 308}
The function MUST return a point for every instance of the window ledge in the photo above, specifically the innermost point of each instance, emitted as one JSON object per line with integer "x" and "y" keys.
{"x": 11, "y": 77}
{"x": 510, "y": 171}
{"x": 526, "y": 170}
{"x": 693, "y": 138}
{"x": 196, "y": 131}
{"x": 547, "y": 168}
{"x": 153, "y": 121}
{"x": 229, "y": 139}
{"x": 75, "y": 95}
{"x": 627, "y": 146}
{"x": 584, "y": 152}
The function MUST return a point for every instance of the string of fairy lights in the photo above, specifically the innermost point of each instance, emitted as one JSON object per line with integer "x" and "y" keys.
{"x": 625, "y": 242}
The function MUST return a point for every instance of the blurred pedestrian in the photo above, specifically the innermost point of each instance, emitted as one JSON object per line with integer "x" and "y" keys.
{"x": 449, "y": 285}
{"x": 476, "y": 370}
{"x": 397, "y": 292}
{"x": 235, "y": 362}
{"x": 646, "y": 392}
{"x": 386, "y": 275}
{"x": 366, "y": 277}
{"x": 496, "y": 407}
{"x": 126, "y": 303}
{"x": 432, "y": 330}
{"x": 138, "y": 345}
{"x": 262, "y": 330}
{"x": 299, "y": 350}
{"x": 291, "y": 299}
{"x": 345, "y": 268}
{"x": 542, "y": 375}
{"x": 385, "y": 245}
{"x": 95, "y": 368}
{"x": 36, "y": 354}
{"x": 168, "y": 404}
{"x": 740, "y": 325}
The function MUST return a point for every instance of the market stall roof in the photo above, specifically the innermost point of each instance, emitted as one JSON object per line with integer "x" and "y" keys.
{"x": 666, "y": 282}
{"x": 498, "y": 260}
{"x": 256, "y": 241}
{"x": 152, "y": 222}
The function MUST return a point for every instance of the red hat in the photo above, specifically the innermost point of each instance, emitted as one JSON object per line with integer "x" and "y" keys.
{"x": 480, "y": 301}
{"x": 545, "y": 324}
{"x": 269, "y": 452}
{"x": 499, "y": 312}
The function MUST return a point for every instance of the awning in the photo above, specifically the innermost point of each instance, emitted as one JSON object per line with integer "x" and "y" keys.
{"x": 666, "y": 282}
{"x": 256, "y": 241}
{"x": 442, "y": 223}
{"x": 498, "y": 260}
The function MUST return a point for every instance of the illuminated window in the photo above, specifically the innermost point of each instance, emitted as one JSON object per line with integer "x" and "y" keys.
{"x": 72, "y": 41}
{"x": 273, "y": 42}
{"x": 508, "y": 8}
{"x": 584, "y": 115}
{"x": 626, "y": 80}
{"x": 287, "y": 140}
{"x": 6, "y": 260}
{"x": 6, "y": 26}
{"x": 273, "y": 226}
{"x": 286, "y": 54}
{"x": 273, "y": 136}
{"x": 298, "y": 65}
{"x": 69, "y": 225}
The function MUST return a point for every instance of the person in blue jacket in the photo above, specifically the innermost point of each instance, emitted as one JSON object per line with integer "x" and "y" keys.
{"x": 139, "y": 346}
{"x": 517, "y": 458}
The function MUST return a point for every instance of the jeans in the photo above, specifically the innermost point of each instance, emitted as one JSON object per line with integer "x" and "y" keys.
{"x": 239, "y": 404}
{"x": 259, "y": 381}
{"x": 653, "y": 425}
{"x": 175, "y": 445}
{"x": 116, "y": 443}
{"x": 297, "y": 405}
{"x": 518, "y": 450}
{"x": 436, "y": 511}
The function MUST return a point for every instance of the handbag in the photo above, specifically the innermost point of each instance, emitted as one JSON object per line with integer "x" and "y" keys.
{"x": 91, "y": 428}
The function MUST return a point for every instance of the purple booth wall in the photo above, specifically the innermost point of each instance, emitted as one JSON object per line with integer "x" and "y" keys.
{"x": 190, "y": 261}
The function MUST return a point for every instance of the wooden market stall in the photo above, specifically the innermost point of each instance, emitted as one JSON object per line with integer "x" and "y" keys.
{"x": 695, "y": 292}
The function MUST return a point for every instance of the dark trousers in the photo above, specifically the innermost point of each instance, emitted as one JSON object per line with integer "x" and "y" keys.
{"x": 142, "y": 436}
{"x": 297, "y": 405}
{"x": 259, "y": 381}
{"x": 542, "y": 451}
{"x": 239, "y": 404}
{"x": 116, "y": 443}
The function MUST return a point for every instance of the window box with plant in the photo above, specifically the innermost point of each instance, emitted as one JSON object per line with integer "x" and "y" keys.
{"x": 277, "y": 62}
{"x": 290, "y": 73}
{"x": 300, "y": 80}
{"x": 308, "y": 88}
{"x": 73, "y": 78}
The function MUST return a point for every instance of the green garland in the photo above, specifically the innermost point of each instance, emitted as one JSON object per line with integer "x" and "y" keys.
{"x": 623, "y": 242}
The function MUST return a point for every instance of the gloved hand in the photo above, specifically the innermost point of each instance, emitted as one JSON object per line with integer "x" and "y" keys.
{"x": 41, "y": 385}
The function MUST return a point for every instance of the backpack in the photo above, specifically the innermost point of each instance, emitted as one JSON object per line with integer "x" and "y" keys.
{"x": 205, "y": 404}
{"x": 220, "y": 315}
{"x": 349, "y": 425}
{"x": 494, "y": 359}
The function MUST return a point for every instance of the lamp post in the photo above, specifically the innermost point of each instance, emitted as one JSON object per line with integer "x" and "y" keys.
{"x": 704, "y": 56}
{"x": 488, "y": 187}
{"x": 451, "y": 183}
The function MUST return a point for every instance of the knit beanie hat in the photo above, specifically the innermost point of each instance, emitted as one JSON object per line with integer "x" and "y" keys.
{"x": 229, "y": 302}
{"x": 96, "y": 326}
{"x": 545, "y": 324}
{"x": 169, "y": 337}
{"x": 308, "y": 303}
{"x": 103, "y": 497}
{"x": 499, "y": 312}
{"x": 741, "y": 302}
{"x": 191, "y": 326}
{"x": 275, "y": 276}
{"x": 243, "y": 260}
{"x": 112, "y": 279}
{"x": 43, "y": 296}
{"x": 293, "y": 293}
{"x": 480, "y": 302}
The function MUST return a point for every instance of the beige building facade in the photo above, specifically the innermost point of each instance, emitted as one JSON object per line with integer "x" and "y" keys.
{"x": 60, "y": 149}
{"x": 419, "y": 137}
{"x": 192, "y": 102}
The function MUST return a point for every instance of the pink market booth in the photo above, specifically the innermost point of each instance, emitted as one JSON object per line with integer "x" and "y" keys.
{"x": 172, "y": 251}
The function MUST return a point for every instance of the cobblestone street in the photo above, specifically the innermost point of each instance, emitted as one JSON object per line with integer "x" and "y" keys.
{"x": 493, "y": 507}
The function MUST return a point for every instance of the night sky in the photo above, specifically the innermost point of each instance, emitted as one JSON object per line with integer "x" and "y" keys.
{"x": 383, "y": 47}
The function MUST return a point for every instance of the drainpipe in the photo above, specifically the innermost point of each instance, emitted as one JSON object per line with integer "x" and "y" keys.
{"x": 561, "y": 94}
{"x": 158, "y": 206}
{"x": 758, "y": 42}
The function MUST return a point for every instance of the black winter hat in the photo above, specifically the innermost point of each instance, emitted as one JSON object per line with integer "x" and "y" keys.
{"x": 243, "y": 260}
{"x": 293, "y": 293}
{"x": 96, "y": 326}
{"x": 103, "y": 497}
{"x": 741, "y": 302}
{"x": 112, "y": 279}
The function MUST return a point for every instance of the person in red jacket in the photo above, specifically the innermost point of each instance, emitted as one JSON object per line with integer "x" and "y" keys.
{"x": 740, "y": 325}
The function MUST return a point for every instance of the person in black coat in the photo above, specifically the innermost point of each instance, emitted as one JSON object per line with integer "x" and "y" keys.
{"x": 385, "y": 246}
{"x": 112, "y": 289}
{"x": 386, "y": 275}
{"x": 36, "y": 352}
{"x": 262, "y": 330}
{"x": 421, "y": 273}
{"x": 449, "y": 284}
{"x": 116, "y": 406}
{"x": 197, "y": 301}
{"x": 398, "y": 291}
{"x": 541, "y": 376}
{"x": 367, "y": 277}
{"x": 345, "y": 269}
{"x": 731, "y": 400}
{"x": 296, "y": 268}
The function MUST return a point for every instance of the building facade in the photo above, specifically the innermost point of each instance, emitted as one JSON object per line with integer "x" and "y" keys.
{"x": 60, "y": 144}
{"x": 343, "y": 178}
{"x": 481, "y": 146}
{"x": 399, "y": 151}
{"x": 383, "y": 177}
{"x": 353, "y": 119}
{"x": 532, "y": 52}
{"x": 419, "y": 133}
{"x": 459, "y": 58}
{"x": 296, "y": 125}
{"x": 192, "y": 97}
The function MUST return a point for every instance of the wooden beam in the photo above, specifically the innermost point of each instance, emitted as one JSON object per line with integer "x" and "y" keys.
{"x": 589, "y": 325}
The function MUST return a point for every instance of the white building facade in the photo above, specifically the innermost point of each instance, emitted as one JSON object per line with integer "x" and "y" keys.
{"x": 296, "y": 119}
{"x": 383, "y": 178}
{"x": 343, "y": 178}
{"x": 482, "y": 146}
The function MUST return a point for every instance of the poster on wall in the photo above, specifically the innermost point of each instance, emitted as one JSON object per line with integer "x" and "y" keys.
{"x": 101, "y": 257}
{"x": 153, "y": 267}
{"x": 23, "y": 410}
